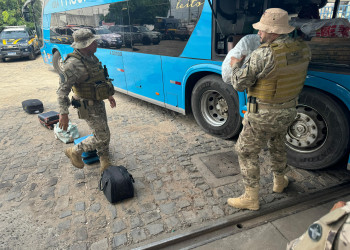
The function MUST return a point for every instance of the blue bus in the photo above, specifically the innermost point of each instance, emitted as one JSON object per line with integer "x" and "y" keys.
{"x": 170, "y": 53}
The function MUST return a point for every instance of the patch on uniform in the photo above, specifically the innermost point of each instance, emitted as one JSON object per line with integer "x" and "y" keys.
{"x": 63, "y": 76}
{"x": 315, "y": 232}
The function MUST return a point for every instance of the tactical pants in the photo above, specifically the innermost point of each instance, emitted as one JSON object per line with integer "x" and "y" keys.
{"x": 97, "y": 121}
{"x": 261, "y": 128}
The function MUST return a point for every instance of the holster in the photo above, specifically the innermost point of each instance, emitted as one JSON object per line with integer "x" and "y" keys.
{"x": 81, "y": 106}
{"x": 251, "y": 105}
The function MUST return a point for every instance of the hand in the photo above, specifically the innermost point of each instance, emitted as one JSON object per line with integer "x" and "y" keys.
{"x": 339, "y": 204}
{"x": 112, "y": 101}
{"x": 235, "y": 60}
{"x": 63, "y": 121}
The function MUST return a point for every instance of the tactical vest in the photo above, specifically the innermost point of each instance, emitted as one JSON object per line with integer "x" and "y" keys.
{"x": 96, "y": 87}
{"x": 286, "y": 79}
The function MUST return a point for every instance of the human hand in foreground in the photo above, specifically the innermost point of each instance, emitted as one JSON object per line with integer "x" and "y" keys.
{"x": 63, "y": 121}
{"x": 339, "y": 204}
{"x": 235, "y": 60}
{"x": 112, "y": 101}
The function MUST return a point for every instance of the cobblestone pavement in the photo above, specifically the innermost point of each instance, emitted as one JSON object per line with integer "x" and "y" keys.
{"x": 45, "y": 203}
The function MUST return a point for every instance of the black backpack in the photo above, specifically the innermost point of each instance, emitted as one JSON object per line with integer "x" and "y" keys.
{"x": 116, "y": 184}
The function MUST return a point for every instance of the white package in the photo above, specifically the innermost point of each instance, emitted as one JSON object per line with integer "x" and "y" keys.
{"x": 244, "y": 47}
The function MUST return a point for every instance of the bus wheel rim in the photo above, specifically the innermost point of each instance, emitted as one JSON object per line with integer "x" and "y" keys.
{"x": 214, "y": 108}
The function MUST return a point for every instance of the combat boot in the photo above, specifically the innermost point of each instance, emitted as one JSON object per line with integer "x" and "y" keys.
{"x": 280, "y": 182}
{"x": 104, "y": 163}
{"x": 74, "y": 157}
{"x": 249, "y": 200}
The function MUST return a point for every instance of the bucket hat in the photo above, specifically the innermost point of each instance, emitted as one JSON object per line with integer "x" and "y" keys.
{"x": 83, "y": 38}
{"x": 274, "y": 20}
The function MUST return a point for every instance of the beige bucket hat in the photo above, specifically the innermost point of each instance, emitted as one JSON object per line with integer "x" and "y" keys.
{"x": 274, "y": 20}
{"x": 83, "y": 38}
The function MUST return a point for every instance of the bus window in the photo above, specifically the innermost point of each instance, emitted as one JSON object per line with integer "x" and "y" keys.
{"x": 102, "y": 20}
{"x": 164, "y": 26}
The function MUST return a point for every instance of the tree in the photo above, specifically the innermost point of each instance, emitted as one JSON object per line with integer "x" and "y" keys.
{"x": 11, "y": 13}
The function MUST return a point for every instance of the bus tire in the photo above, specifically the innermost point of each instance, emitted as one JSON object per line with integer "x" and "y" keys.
{"x": 215, "y": 107}
{"x": 319, "y": 136}
{"x": 57, "y": 62}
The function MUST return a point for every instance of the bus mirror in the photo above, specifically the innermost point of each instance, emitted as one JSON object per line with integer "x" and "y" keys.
{"x": 25, "y": 12}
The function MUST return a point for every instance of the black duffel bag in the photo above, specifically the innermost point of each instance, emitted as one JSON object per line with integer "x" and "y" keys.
{"x": 117, "y": 184}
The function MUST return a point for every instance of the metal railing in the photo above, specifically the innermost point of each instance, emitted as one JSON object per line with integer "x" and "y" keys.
{"x": 343, "y": 12}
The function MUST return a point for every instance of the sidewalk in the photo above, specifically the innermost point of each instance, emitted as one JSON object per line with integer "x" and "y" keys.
{"x": 273, "y": 235}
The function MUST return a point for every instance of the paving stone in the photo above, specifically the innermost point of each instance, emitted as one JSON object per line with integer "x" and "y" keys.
{"x": 160, "y": 195}
{"x": 79, "y": 246}
{"x": 13, "y": 196}
{"x": 147, "y": 207}
{"x": 183, "y": 203}
{"x": 118, "y": 226}
{"x": 8, "y": 177}
{"x": 218, "y": 211}
{"x": 157, "y": 184}
{"x": 174, "y": 195}
{"x": 119, "y": 240}
{"x": 95, "y": 207}
{"x": 168, "y": 208}
{"x": 50, "y": 193}
{"x": 80, "y": 206}
{"x": 189, "y": 216}
{"x": 138, "y": 235}
{"x": 22, "y": 178}
{"x": 80, "y": 219}
{"x": 52, "y": 181}
{"x": 65, "y": 214}
{"x": 155, "y": 229}
{"x": 65, "y": 225}
{"x": 41, "y": 170}
{"x": 172, "y": 222}
{"x": 81, "y": 234}
{"x": 135, "y": 222}
{"x": 99, "y": 222}
{"x": 5, "y": 185}
{"x": 100, "y": 245}
{"x": 199, "y": 202}
{"x": 64, "y": 190}
{"x": 113, "y": 211}
{"x": 79, "y": 175}
{"x": 150, "y": 177}
{"x": 150, "y": 217}
{"x": 62, "y": 203}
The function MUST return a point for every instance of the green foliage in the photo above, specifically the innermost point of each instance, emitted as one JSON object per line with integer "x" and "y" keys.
{"x": 11, "y": 13}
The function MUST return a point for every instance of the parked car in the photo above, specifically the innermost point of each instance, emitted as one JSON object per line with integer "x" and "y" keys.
{"x": 148, "y": 36}
{"x": 58, "y": 38}
{"x": 18, "y": 42}
{"x": 108, "y": 38}
{"x": 129, "y": 34}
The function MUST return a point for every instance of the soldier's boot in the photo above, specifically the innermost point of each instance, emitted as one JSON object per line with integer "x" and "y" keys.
{"x": 249, "y": 200}
{"x": 75, "y": 157}
{"x": 280, "y": 182}
{"x": 104, "y": 163}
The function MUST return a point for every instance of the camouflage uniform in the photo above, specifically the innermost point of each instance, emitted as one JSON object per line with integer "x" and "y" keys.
{"x": 267, "y": 126}
{"x": 332, "y": 231}
{"x": 74, "y": 73}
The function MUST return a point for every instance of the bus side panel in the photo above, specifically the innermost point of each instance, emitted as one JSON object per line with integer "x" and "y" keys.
{"x": 47, "y": 47}
{"x": 199, "y": 44}
{"x": 143, "y": 74}
{"x": 113, "y": 59}
{"x": 340, "y": 90}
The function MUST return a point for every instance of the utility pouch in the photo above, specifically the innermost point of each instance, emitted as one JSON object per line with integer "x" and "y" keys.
{"x": 104, "y": 90}
{"x": 82, "y": 110}
{"x": 251, "y": 105}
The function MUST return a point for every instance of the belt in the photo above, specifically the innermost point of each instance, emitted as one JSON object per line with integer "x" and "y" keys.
{"x": 87, "y": 102}
{"x": 285, "y": 105}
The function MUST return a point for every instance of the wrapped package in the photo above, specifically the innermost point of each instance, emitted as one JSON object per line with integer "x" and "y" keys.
{"x": 244, "y": 47}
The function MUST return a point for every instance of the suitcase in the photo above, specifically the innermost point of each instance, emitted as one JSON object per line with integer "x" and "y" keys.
{"x": 33, "y": 106}
{"x": 49, "y": 125}
{"x": 117, "y": 184}
{"x": 89, "y": 157}
{"x": 48, "y": 119}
